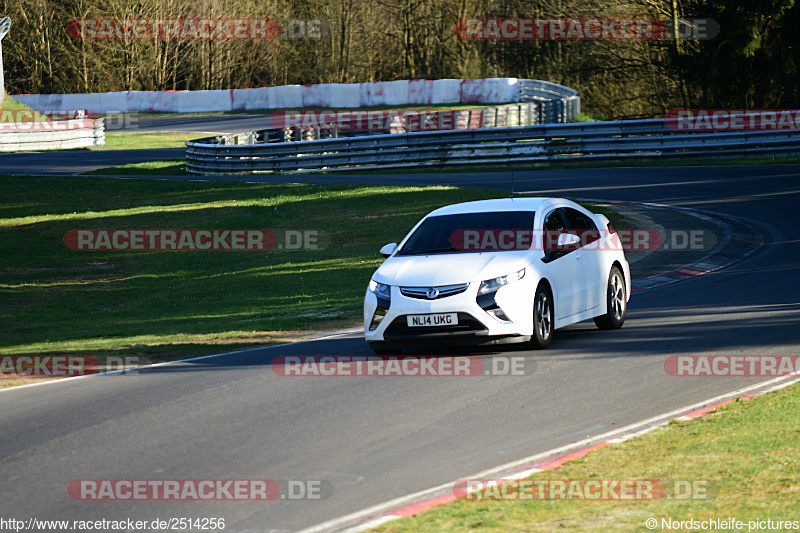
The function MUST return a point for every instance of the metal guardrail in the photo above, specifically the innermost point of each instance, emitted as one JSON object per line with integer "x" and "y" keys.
{"x": 544, "y": 145}
{"x": 53, "y": 135}
{"x": 518, "y": 114}
{"x": 559, "y": 104}
{"x": 539, "y": 102}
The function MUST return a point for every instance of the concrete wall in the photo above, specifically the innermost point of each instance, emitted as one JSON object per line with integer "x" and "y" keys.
{"x": 332, "y": 95}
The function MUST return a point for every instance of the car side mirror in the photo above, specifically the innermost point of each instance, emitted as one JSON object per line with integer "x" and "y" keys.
{"x": 568, "y": 239}
{"x": 388, "y": 249}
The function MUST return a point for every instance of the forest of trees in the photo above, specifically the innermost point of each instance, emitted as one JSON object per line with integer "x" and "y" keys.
{"x": 752, "y": 63}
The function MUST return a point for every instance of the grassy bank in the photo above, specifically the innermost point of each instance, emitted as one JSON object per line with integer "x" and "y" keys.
{"x": 744, "y": 457}
{"x": 178, "y": 167}
{"x": 141, "y": 140}
{"x": 169, "y": 167}
{"x": 10, "y": 112}
{"x": 167, "y": 305}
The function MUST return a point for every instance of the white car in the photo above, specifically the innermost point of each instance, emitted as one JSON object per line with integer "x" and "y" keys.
{"x": 507, "y": 270}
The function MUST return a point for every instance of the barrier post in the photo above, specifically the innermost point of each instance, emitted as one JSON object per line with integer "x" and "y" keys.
{"x": 5, "y": 25}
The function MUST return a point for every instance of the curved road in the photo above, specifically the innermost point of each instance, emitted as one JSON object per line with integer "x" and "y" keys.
{"x": 79, "y": 161}
{"x": 375, "y": 439}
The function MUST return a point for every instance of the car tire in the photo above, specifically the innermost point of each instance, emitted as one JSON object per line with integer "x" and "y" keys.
{"x": 616, "y": 302}
{"x": 543, "y": 315}
{"x": 384, "y": 348}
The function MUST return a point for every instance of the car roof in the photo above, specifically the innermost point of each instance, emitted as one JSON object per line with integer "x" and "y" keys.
{"x": 500, "y": 204}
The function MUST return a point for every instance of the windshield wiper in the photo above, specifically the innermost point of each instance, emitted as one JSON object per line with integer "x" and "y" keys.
{"x": 433, "y": 251}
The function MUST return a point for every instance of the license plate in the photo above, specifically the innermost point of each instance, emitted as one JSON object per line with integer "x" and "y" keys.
{"x": 438, "y": 319}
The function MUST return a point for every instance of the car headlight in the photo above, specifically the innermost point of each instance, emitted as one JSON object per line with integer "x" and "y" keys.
{"x": 381, "y": 290}
{"x": 488, "y": 289}
{"x": 384, "y": 294}
{"x": 492, "y": 285}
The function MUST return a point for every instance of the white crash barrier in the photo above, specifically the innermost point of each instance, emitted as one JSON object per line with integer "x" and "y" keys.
{"x": 500, "y": 90}
{"x": 105, "y": 102}
{"x": 286, "y": 96}
{"x": 51, "y": 135}
{"x": 346, "y": 95}
{"x": 446, "y": 92}
{"x": 177, "y": 101}
{"x": 395, "y": 92}
{"x": 368, "y": 93}
{"x": 420, "y": 91}
{"x": 341, "y": 95}
{"x": 472, "y": 91}
{"x": 207, "y": 100}
{"x": 246, "y": 99}
{"x": 316, "y": 95}
{"x": 93, "y": 102}
{"x": 384, "y": 93}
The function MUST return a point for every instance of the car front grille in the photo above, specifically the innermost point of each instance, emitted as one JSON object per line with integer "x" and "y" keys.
{"x": 433, "y": 293}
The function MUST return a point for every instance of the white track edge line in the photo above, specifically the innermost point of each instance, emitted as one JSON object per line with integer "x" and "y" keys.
{"x": 154, "y": 365}
{"x": 663, "y": 419}
{"x": 345, "y": 332}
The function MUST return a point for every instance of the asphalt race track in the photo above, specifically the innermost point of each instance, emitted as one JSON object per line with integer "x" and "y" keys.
{"x": 374, "y": 439}
{"x": 78, "y": 161}
{"x": 204, "y": 124}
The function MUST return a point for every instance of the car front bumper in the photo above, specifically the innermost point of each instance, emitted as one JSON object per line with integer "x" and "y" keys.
{"x": 475, "y": 325}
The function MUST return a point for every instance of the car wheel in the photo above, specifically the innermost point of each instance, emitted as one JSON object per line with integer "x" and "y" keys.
{"x": 384, "y": 348}
{"x": 542, "y": 317}
{"x": 616, "y": 302}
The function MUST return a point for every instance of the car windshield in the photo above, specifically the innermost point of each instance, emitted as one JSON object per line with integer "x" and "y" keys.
{"x": 471, "y": 232}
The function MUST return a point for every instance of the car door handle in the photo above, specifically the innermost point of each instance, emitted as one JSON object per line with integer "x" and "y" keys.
{"x": 578, "y": 255}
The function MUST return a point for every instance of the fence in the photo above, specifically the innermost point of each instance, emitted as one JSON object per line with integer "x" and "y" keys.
{"x": 52, "y": 135}
{"x": 559, "y": 104}
{"x": 530, "y": 145}
{"x": 408, "y": 121}
{"x": 329, "y": 95}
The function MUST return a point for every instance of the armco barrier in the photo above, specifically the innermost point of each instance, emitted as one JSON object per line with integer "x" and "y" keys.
{"x": 57, "y": 135}
{"x": 336, "y": 95}
{"x": 566, "y": 102}
{"x": 547, "y": 144}
{"x": 307, "y": 129}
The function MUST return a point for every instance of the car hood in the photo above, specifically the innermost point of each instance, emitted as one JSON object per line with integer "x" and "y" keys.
{"x": 448, "y": 269}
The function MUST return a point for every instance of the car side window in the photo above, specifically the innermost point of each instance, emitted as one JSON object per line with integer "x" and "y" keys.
{"x": 554, "y": 226}
{"x": 581, "y": 225}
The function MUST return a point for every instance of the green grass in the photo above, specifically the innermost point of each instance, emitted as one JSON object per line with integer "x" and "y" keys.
{"x": 119, "y": 140}
{"x": 169, "y": 167}
{"x": 746, "y": 453}
{"x": 166, "y": 305}
{"x": 582, "y": 117}
{"x": 174, "y": 167}
{"x": 10, "y": 106}
{"x": 173, "y": 304}
{"x": 678, "y": 162}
